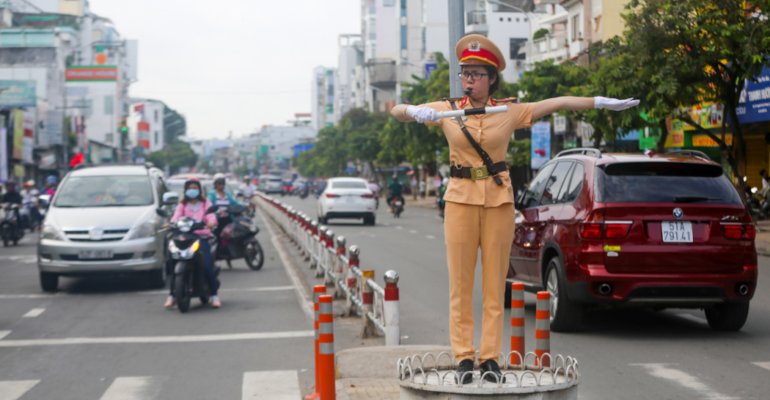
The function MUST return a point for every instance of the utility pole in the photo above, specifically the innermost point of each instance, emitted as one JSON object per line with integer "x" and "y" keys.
{"x": 456, "y": 31}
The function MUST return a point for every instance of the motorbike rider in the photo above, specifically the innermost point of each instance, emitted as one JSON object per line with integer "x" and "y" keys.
{"x": 221, "y": 198}
{"x": 29, "y": 194}
{"x": 12, "y": 196}
{"x": 247, "y": 188}
{"x": 396, "y": 189}
{"x": 50, "y": 186}
{"x": 195, "y": 206}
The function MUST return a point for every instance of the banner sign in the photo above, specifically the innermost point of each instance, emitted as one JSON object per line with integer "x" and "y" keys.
{"x": 98, "y": 73}
{"x": 17, "y": 94}
{"x": 754, "y": 103}
{"x": 541, "y": 144}
{"x": 559, "y": 124}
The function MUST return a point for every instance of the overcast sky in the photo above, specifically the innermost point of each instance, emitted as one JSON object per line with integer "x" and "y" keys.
{"x": 231, "y": 65}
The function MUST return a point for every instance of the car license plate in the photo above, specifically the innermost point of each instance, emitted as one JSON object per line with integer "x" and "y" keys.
{"x": 94, "y": 254}
{"x": 676, "y": 231}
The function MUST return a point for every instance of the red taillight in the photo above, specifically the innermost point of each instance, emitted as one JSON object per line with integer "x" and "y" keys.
{"x": 332, "y": 195}
{"x": 738, "y": 231}
{"x": 368, "y": 195}
{"x": 616, "y": 229}
{"x": 594, "y": 227}
{"x": 591, "y": 230}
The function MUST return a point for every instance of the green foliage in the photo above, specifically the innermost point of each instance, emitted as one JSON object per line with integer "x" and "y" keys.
{"x": 176, "y": 155}
{"x": 540, "y": 33}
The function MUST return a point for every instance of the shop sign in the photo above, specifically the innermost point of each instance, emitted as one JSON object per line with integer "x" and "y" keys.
{"x": 541, "y": 144}
{"x": 703, "y": 140}
{"x": 559, "y": 124}
{"x": 754, "y": 102}
{"x": 17, "y": 94}
{"x": 91, "y": 74}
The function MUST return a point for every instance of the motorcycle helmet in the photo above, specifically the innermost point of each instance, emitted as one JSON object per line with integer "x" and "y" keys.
{"x": 219, "y": 178}
{"x": 51, "y": 179}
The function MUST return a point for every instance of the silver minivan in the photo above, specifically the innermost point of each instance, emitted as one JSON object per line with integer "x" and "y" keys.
{"x": 105, "y": 219}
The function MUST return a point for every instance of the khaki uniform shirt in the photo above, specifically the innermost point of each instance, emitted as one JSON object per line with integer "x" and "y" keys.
{"x": 493, "y": 132}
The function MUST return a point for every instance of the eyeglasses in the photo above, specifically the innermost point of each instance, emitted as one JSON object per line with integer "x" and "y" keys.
{"x": 471, "y": 75}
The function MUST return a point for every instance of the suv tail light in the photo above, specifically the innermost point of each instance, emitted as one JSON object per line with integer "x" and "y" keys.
{"x": 738, "y": 230}
{"x": 332, "y": 195}
{"x": 595, "y": 227}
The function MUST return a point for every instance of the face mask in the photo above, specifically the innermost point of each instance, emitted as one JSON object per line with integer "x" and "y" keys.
{"x": 192, "y": 193}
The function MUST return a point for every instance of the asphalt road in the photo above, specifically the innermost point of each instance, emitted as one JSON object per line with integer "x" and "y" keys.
{"x": 110, "y": 338}
{"x": 104, "y": 338}
{"x": 623, "y": 354}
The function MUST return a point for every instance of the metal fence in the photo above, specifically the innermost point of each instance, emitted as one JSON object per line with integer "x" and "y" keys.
{"x": 340, "y": 269}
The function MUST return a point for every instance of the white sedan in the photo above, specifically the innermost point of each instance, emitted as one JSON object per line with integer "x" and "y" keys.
{"x": 346, "y": 198}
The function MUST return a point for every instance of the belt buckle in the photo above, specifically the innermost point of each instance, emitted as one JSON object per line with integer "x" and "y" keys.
{"x": 479, "y": 172}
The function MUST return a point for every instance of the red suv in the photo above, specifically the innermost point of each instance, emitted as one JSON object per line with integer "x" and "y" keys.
{"x": 665, "y": 230}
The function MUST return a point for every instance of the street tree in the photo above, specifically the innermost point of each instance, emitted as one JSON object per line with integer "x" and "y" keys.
{"x": 707, "y": 49}
{"x": 175, "y": 155}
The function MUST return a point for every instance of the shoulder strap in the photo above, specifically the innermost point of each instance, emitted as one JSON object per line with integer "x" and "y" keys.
{"x": 483, "y": 154}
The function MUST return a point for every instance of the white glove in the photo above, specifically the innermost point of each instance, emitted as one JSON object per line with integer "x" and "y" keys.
{"x": 614, "y": 104}
{"x": 421, "y": 114}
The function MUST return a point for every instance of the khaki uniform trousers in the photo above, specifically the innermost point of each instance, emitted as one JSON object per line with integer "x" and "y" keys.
{"x": 466, "y": 228}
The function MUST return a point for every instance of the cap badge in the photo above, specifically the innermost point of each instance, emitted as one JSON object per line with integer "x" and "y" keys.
{"x": 474, "y": 46}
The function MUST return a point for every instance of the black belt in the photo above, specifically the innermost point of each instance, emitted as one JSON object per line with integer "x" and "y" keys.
{"x": 475, "y": 173}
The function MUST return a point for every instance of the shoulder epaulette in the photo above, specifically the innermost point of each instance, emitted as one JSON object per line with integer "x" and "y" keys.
{"x": 507, "y": 100}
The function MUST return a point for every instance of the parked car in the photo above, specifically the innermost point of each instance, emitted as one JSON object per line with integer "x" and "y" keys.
{"x": 104, "y": 220}
{"x": 659, "y": 231}
{"x": 346, "y": 198}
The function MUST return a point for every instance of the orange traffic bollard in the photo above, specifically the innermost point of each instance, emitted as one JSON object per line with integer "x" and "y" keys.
{"x": 318, "y": 290}
{"x": 517, "y": 323}
{"x": 543, "y": 329}
{"x": 327, "y": 384}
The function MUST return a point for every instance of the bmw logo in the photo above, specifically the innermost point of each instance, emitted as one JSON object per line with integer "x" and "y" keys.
{"x": 678, "y": 213}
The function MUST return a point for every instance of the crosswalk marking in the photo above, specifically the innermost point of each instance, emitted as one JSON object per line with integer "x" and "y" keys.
{"x": 430, "y": 237}
{"x": 4, "y": 334}
{"x": 762, "y": 364}
{"x": 12, "y": 390}
{"x": 134, "y": 388}
{"x": 274, "y": 385}
{"x": 156, "y": 339}
{"x": 34, "y": 313}
{"x": 665, "y": 371}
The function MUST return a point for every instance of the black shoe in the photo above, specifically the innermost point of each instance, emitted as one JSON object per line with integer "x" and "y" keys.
{"x": 490, "y": 371}
{"x": 464, "y": 372}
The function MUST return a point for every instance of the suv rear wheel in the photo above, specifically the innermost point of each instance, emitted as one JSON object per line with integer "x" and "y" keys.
{"x": 566, "y": 316}
{"x": 727, "y": 316}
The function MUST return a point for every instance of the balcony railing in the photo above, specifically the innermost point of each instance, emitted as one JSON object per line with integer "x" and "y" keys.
{"x": 382, "y": 72}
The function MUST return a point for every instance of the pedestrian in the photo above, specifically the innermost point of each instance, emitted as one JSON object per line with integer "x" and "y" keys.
{"x": 422, "y": 188}
{"x": 765, "y": 179}
{"x": 413, "y": 186}
{"x": 437, "y": 183}
{"x": 479, "y": 200}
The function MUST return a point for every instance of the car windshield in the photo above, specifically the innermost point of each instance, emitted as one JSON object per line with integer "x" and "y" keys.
{"x": 105, "y": 191}
{"x": 349, "y": 185}
{"x": 664, "y": 183}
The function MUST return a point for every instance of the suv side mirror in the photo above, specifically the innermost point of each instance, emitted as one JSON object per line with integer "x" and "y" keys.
{"x": 518, "y": 202}
{"x": 161, "y": 212}
{"x": 170, "y": 198}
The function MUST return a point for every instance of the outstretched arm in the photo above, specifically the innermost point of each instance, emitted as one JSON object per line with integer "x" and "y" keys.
{"x": 572, "y": 103}
{"x": 399, "y": 113}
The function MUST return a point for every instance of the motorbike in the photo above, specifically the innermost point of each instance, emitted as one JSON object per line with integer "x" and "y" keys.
{"x": 758, "y": 203}
{"x": 304, "y": 191}
{"x": 10, "y": 225}
{"x": 189, "y": 279}
{"x": 238, "y": 239}
{"x": 397, "y": 206}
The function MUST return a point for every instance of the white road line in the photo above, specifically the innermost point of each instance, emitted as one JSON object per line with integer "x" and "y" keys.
{"x": 664, "y": 371}
{"x": 399, "y": 227}
{"x": 20, "y": 259}
{"x": 27, "y": 296}
{"x": 12, "y": 390}
{"x": 227, "y": 290}
{"x": 134, "y": 388}
{"x": 4, "y": 334}
{"x": 157, "y": 339}
{"x": 144, "y": 293}
{"x": 412, "y": 231}
{"x": 306, "y": 304}
{"x": 430, "y": 237}
{"x": 762, "y": 364}
{"x": 34, "y": 313}
{"x": 273, "y": 385}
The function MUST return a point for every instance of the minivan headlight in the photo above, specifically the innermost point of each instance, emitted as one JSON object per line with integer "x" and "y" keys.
{"x": 143, "y": 230}
{"x": 51, "y": 232}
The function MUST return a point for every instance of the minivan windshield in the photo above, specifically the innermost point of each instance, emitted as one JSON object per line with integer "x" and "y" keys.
{"x": 105, "y": 191}
{"x": 669, "y": 182}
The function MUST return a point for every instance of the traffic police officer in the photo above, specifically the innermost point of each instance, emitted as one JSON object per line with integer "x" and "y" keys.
{"x": 479, "y": 202}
